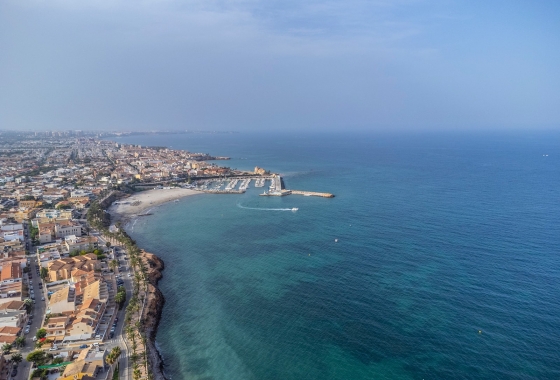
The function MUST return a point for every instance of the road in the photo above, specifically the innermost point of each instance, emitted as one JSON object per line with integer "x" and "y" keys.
{"x": 38, "y": 313}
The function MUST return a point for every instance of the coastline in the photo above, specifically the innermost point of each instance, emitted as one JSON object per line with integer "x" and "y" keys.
{"x": 152, "y": 313}
{"x": 123, "y": 210}
{"x": 140, "y": 203}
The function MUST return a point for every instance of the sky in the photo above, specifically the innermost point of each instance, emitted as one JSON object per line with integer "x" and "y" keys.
{"x": 267, "y": 64}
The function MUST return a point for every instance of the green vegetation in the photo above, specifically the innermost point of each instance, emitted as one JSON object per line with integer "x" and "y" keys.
{"x": 58, "y": 361}
{"x": 17, "y": 358}
{"x": 114, "y": 355}
{"x": 38, "y": 357}
{"x": 120, "y": 297}
{"x": 100, "y": 220}
{"x": 19, "y": 342}
{"x": 40, "y": 373}
{"x": 116, "y": 373}
{"x": 34, "y": 233}
{"x": 41, "y": 333}
{"x": 6, "y": 348}
{"x": 97, "y": 217}
{"x": 44, "y": 273}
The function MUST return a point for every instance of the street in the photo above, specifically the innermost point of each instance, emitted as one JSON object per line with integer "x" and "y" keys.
{"x": 38, "y": 315}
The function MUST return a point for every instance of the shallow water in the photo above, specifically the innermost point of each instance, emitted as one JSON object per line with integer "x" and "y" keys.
{"x": 446, "y": 264}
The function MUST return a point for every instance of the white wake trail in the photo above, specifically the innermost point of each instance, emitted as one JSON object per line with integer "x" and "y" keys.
{"x": 266, "y": 209}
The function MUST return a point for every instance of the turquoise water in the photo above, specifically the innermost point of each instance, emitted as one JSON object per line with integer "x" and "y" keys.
{"x": 440, "y": 236}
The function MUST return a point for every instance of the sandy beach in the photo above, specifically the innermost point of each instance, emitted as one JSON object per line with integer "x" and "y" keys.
{"x": 141, "y": 202}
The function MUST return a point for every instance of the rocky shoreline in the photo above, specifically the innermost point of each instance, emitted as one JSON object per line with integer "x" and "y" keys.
{"x": 152, "y": 312}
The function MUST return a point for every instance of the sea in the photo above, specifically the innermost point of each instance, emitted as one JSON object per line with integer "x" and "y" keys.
{"x": 439, "y": 258}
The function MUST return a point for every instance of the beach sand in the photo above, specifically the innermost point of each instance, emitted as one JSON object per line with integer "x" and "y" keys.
{"x": 141, "y": 202}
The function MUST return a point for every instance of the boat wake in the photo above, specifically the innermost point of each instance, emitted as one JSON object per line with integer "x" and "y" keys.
{"x": 267, "y": 209}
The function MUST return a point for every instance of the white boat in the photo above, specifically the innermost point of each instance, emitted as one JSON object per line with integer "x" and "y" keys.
{"x": 295, "y": 209}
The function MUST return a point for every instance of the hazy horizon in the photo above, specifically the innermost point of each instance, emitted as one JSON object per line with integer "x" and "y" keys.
{"x": 255, "y": 65}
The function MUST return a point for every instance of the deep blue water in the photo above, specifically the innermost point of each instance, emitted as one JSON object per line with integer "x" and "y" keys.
{"x": 440, "y": 236}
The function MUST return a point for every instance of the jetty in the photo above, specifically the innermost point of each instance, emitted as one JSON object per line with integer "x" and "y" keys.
{"x": 312, "y": 194}
{"x": 285, "y": 192}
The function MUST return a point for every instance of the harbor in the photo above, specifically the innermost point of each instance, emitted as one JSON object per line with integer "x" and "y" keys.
{"x": 239, "y": 185}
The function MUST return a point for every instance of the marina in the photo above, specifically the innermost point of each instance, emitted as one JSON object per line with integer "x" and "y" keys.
{"x": 275, "y": 189}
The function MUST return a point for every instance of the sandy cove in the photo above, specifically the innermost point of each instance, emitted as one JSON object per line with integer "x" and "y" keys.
{"x": 141, "y": 202}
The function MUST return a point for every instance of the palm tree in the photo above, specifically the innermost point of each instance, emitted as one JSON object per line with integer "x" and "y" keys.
{"x": 17, "y": 358}
{"x": 114, "y": 355}
{"x": 6, "y": 348}
{"x": 114, "y": 264}
{"x": 116, "y": 352}
{"x": 137, "y": 374}
{"x": 120, "y": 297}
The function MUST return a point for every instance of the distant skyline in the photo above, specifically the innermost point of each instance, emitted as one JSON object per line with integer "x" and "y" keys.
{"x": 266, "y": 65}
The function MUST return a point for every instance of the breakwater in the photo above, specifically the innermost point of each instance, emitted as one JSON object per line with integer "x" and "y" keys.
{"x": 312, "y": 194}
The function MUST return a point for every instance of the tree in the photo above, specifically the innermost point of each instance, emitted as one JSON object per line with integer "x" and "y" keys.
{"x": 108, "y": 244}
{"x": 114, "y": 355}
{"x": 38, "y": 357}
{"x": 39, "y": 373}
{"x": 44, "y": 273}
{"x": 41, "y": 333}
{"x": 137, "y": 375}
{"x": 19, "y": 342}
{"x": 120, "y": 298}
{"x": 6, "y": 348}
{"x": 17, "y": 358}
{"x": 114, "y": 264}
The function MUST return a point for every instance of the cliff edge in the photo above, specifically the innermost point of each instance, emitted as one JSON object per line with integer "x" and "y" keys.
{"x": 152, "y": 312}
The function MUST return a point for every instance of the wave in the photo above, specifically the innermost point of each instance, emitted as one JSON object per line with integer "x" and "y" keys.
{"x": 267, "y": 209}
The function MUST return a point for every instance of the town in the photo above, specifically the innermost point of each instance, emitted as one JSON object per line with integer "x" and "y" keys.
{"x": 73, "y": 286}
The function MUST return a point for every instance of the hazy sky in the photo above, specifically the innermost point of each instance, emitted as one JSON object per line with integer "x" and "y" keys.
{"x": 269, "y": 64}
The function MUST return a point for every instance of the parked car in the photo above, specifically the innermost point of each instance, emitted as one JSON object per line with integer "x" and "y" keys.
{"x": 53, "y": 348}
{"x": 130, "y": 275}
{"x": 42, "y": 298}
{"x": 14, "y": 372}
{"x": 83, "y": 346}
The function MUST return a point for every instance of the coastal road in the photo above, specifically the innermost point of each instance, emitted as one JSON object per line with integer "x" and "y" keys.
{"x": 125, "y": 372}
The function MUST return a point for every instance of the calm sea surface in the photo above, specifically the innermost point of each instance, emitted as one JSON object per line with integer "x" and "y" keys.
{"x": 447, "y": 264}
